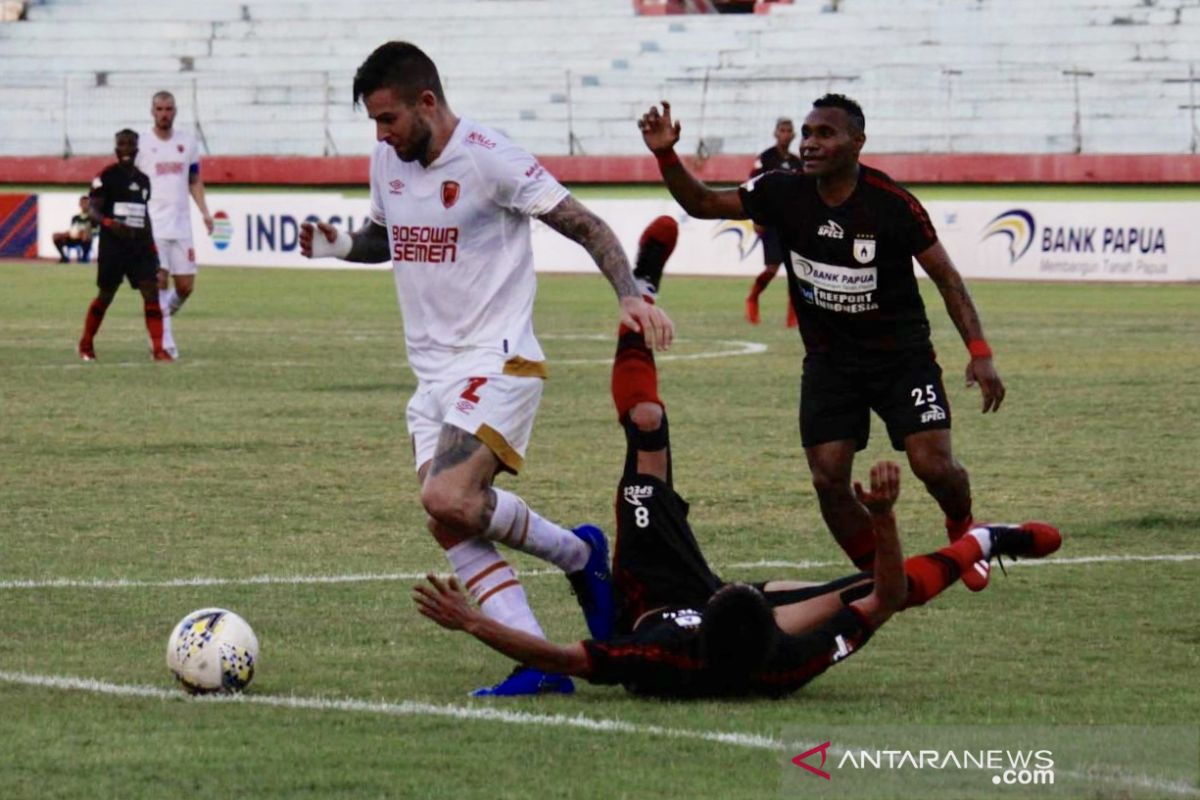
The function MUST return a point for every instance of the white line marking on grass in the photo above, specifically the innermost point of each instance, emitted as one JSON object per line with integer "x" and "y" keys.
{"x": 731, "y": 348}
{"x": 401, "y": 709}
{"x": 414, "y": 708}
{"x": 1042, "y": 562}
{"x": 383, "y": 577}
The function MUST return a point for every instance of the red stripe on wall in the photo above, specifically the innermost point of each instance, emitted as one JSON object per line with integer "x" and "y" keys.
{"x": 906, "y": 168}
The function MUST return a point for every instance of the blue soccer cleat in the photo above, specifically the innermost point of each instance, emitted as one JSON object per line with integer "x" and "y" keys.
{"x": 525, "y": 681}
{"x": 593, "y": 586}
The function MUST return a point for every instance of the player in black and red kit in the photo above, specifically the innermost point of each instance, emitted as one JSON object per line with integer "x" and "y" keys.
{"x": 782, "y": 159}
{"x": 680, "y": 630}
{"x": 851, "y": 234}
{"x": 118, "y": 205}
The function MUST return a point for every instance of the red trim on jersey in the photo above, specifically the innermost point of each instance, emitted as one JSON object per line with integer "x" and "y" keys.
{"x": 649, "y": 652}
{"x": 888, "y": 185}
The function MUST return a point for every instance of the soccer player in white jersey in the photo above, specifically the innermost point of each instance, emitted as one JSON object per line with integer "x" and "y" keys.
{"x": 451, "y": 202}
{"x": 172, "y": 160}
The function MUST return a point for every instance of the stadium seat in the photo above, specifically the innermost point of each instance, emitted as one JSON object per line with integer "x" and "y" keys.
{"x": 986, "y": 72}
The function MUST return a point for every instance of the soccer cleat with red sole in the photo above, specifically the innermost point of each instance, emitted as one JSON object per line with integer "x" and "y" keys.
{"x": 1027, "y": 540}
{"x": 86, "y": 351}
{"x": 163, "y": 355}
{"x": 655, "y": 246}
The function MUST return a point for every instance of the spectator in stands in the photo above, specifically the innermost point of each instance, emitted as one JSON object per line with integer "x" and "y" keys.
{"x": 850, "y": 235}
{"x": 172, "y": 160}
{"x": 451, "y": 205}
{"x": 78, "y": 236}
{"x": 778, "y": 157}
{"x": 118, "y": 205}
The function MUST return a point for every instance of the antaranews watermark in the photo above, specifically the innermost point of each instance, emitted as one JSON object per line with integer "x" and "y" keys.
{"x": 965, "y": 762}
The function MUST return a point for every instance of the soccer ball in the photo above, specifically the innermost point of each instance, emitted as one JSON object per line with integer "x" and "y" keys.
{"x": 212, "y": 650}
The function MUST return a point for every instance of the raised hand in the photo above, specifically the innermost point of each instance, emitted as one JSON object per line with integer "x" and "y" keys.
{"x": 658, "y": 131}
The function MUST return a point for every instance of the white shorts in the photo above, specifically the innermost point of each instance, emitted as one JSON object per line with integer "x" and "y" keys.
{"x": 497, "y": 409}
{"x": 176, "y": 256}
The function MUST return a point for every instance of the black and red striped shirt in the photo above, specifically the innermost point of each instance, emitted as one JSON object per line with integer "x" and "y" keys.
{"x": 850, "y": 267}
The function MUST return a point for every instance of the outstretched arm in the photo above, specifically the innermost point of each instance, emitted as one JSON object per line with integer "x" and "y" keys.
{"x": 445, "y": 604}
{"x": 937, "y": 264}
{"x": 367, "y": 245}
{"x": 574, "y": 221}
{"x": 891, "y": 587}
{"x": 660, "y": 135}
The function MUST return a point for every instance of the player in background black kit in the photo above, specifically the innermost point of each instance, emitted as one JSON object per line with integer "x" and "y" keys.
{"x": 854, "y": 233}
{"x": 774, "y": 158}
{"x": 681, "y": 631}
{"x": 118, "y": 205}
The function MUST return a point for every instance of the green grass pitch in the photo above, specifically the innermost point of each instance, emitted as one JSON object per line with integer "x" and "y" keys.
{"x": 276, "y": 447}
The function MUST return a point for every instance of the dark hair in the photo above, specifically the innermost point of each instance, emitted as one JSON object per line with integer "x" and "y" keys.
{"x": 401, "y": 66}
{"x": 737, "y": 634}
{"x": 852, "y": 109}
{"x": 126, "y": 132}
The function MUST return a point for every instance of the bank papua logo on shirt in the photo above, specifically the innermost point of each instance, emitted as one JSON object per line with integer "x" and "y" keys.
{"x": 1017, "y": 226}
{"x": 222, "y": 230}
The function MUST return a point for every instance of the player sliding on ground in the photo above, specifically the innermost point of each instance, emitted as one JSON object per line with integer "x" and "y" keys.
{"x": 681, "y": 630}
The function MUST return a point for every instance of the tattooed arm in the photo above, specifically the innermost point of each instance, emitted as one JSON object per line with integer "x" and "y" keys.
{"x": 937, "y": 264}
{"x": 577, "y": 223}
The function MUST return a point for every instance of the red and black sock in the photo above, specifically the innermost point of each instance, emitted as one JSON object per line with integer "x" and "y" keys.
{"x": 760, "y": 283}
{"x": 154, "y": 323}
{"x": 861, "y": 549}
{"x": 634, "y": 375}
{"x": 93, "y": 319}
{"x": 930, "y": 574}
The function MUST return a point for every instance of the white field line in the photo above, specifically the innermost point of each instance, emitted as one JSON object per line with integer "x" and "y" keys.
{"x": 728, "y": 348}
{"x": 402, "y": 709}
{"x": 415, "y": 708}
{"x": 383, "y": 577}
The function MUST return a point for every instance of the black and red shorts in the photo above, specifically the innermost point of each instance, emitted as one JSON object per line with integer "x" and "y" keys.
{"x": 133, "y": 264}
{"x": 904, "y": 389}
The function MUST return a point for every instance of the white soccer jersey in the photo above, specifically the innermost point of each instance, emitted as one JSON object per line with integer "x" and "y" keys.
{"x": 168, "y": 164}
{"x": 458, "y": 231}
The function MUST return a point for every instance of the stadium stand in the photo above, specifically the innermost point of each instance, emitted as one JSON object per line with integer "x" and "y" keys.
{"x": 570, "y": 76}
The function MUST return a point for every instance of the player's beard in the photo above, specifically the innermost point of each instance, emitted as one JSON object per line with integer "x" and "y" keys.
{"x": 419, "y": 149}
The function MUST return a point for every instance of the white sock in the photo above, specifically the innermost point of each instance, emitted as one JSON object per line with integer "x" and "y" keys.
{"x": 984, "y": 537}
{"x": 491, "y": 581}
{"x": 517, "y": 525}
{"x": 175, "y": 302}
{"x": 168, "y": 338}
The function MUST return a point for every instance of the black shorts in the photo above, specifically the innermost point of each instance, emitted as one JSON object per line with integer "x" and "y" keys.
{"x": 656, "y": 560}
{"x": 133, "y": 265}
{"x": 772, "y": 247}
{"x": 796, "y": 660}
{"x": 836, "y": 400}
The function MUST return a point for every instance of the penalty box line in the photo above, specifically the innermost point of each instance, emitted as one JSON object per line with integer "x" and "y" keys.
{"x": 378, "y": 577}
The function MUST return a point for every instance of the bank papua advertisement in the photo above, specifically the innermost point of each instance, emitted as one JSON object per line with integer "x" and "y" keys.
{"x": 1060, "y": 241}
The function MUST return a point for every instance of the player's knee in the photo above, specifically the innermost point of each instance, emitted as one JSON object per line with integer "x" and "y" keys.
{"x": 647, "y": 417}
{"x": 451, "y": 506}
{"x": 830, "y": 484}
{"x": 445, "y": 537}
{"x": 934, "y": 467}
{"x": 184, "y": 292}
